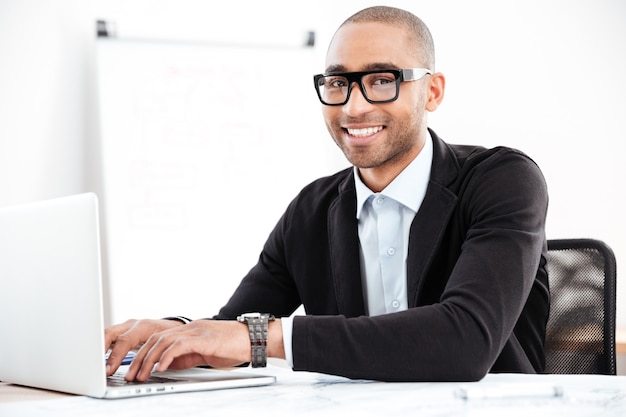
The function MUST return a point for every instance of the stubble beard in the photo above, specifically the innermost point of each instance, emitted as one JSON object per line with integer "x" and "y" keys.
{"x": 398, "y": 142}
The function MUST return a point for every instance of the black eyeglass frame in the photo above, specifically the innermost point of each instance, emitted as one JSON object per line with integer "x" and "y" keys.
{"x": 402, "y": 75}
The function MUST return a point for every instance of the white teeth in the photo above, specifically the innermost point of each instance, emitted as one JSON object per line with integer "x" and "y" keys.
{"x": 365, "y": 132}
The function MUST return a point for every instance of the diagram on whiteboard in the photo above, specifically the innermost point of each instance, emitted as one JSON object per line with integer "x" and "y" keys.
{"x": 203, "y": 146}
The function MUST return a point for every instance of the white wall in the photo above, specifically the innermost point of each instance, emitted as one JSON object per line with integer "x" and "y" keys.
{"x": 543, "y": 76}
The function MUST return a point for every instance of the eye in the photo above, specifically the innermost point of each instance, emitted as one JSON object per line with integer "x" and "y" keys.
{"x": 335, "y": 82}
{"x": 383, "y": 79}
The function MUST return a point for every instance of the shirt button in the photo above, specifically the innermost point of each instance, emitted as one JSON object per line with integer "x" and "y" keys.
{"x": 380, "y": 200}
{"x": 391, "y": 251}
{"x": 395, "y": 304}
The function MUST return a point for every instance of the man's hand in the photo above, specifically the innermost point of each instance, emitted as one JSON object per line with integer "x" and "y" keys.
{"x": 122, "y": 338}
{"x": 168, "y": 344}
{"x": 215, "y": 343}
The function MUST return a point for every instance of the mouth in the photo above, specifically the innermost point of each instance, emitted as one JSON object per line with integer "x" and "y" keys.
{"x": 365, "y": 132}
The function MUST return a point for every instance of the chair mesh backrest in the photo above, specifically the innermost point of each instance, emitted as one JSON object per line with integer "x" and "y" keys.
{"x": 580, "y": 336}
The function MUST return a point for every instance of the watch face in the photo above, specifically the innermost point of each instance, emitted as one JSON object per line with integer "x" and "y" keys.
{"x": 246, "y": 316}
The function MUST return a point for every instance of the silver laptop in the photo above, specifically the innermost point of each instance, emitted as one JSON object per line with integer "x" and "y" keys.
{"x": 51, "y": 308}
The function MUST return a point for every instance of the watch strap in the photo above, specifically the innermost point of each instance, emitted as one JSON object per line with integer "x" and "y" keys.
{"x": 258, "y": 329}
{"x": 258, "y": 341}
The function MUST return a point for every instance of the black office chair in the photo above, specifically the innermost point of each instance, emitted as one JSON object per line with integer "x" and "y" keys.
{"x": 580, "y": 337}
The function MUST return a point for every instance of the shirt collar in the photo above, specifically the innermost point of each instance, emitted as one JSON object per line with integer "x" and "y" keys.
{"x": 408, "y": 188}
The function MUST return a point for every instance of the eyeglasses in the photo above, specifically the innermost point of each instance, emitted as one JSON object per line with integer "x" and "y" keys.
{"x": 378, "y": 86}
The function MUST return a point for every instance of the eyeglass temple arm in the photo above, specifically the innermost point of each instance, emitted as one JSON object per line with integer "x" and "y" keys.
{"x": 412, "y": 74}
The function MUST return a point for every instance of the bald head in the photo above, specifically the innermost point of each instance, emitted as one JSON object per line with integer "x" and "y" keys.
{"x": 416, "y": 30}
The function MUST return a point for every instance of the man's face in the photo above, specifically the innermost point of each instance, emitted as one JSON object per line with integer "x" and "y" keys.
{"x": 376, "y": 136}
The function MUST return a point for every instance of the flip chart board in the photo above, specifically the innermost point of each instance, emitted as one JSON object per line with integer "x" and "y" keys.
{"x": 202, "y": 148}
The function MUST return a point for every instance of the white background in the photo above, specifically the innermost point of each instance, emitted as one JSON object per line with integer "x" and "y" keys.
{"x": 544, "y": 76}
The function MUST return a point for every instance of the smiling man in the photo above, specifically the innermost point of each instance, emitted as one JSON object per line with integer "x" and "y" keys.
{"x": 379, "y": 129}
{"x": 424, "y": 261}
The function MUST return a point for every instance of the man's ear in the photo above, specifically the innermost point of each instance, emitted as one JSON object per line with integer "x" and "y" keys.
{"x": 435, "y": 92}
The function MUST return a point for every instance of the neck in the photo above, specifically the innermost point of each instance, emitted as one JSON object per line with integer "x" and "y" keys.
{"x": 379, "y": 177}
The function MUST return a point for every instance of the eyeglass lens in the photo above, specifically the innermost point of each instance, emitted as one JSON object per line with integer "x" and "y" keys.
{"x": 380, "y": 86}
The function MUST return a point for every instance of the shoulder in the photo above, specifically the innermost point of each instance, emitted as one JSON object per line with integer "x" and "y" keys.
{"x": 473, "y": 161}
{"x": 473, "y": 157}
{"x": 469, "y": 156}
{"x": 508, "y": 166}
{"x": 501, "y": 177}
{"x": 482, "y": 171}
{"x": 455, "y": 164}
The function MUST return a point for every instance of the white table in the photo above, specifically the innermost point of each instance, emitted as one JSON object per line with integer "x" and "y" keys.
{"x": 311, "y": 394}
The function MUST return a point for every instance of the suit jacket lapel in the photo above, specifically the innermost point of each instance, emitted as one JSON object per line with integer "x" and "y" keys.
{"x": 344, "y": 250}
{"x": 429, "y": 224}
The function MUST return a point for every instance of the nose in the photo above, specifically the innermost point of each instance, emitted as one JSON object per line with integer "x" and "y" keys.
{"x": 357, "y": 104}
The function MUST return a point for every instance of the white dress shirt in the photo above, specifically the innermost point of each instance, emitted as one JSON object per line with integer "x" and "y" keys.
{"x": 384, "y": 223}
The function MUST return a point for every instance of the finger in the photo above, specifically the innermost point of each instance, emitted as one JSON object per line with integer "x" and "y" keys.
{"x": 120, "y": 348}
{"x": 159, "y": 352}
{"x": 111, "y": 334}
{"x": 145, "y": 359}
{"x": 137, "y": 363}
{"x": 181, "y": 347}
{"x": 117, "y": 355}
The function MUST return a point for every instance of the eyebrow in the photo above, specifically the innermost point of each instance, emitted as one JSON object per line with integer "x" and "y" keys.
{"x": 369, "y": 67}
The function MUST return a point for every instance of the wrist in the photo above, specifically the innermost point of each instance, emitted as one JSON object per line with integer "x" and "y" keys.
{"x": 275, "y": 344}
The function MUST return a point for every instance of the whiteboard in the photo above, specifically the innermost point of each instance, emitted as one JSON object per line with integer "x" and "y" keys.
{"x": 202, "y": 148}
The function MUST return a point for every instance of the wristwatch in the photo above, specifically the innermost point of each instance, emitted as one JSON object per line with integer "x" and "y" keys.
{"x": 257, "y": 327}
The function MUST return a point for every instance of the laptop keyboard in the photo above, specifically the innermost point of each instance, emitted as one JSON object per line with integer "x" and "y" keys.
{"x": 117, "y": 380}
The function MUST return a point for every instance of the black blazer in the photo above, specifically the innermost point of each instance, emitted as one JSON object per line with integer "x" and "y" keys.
{"x": 476, "y": 273}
